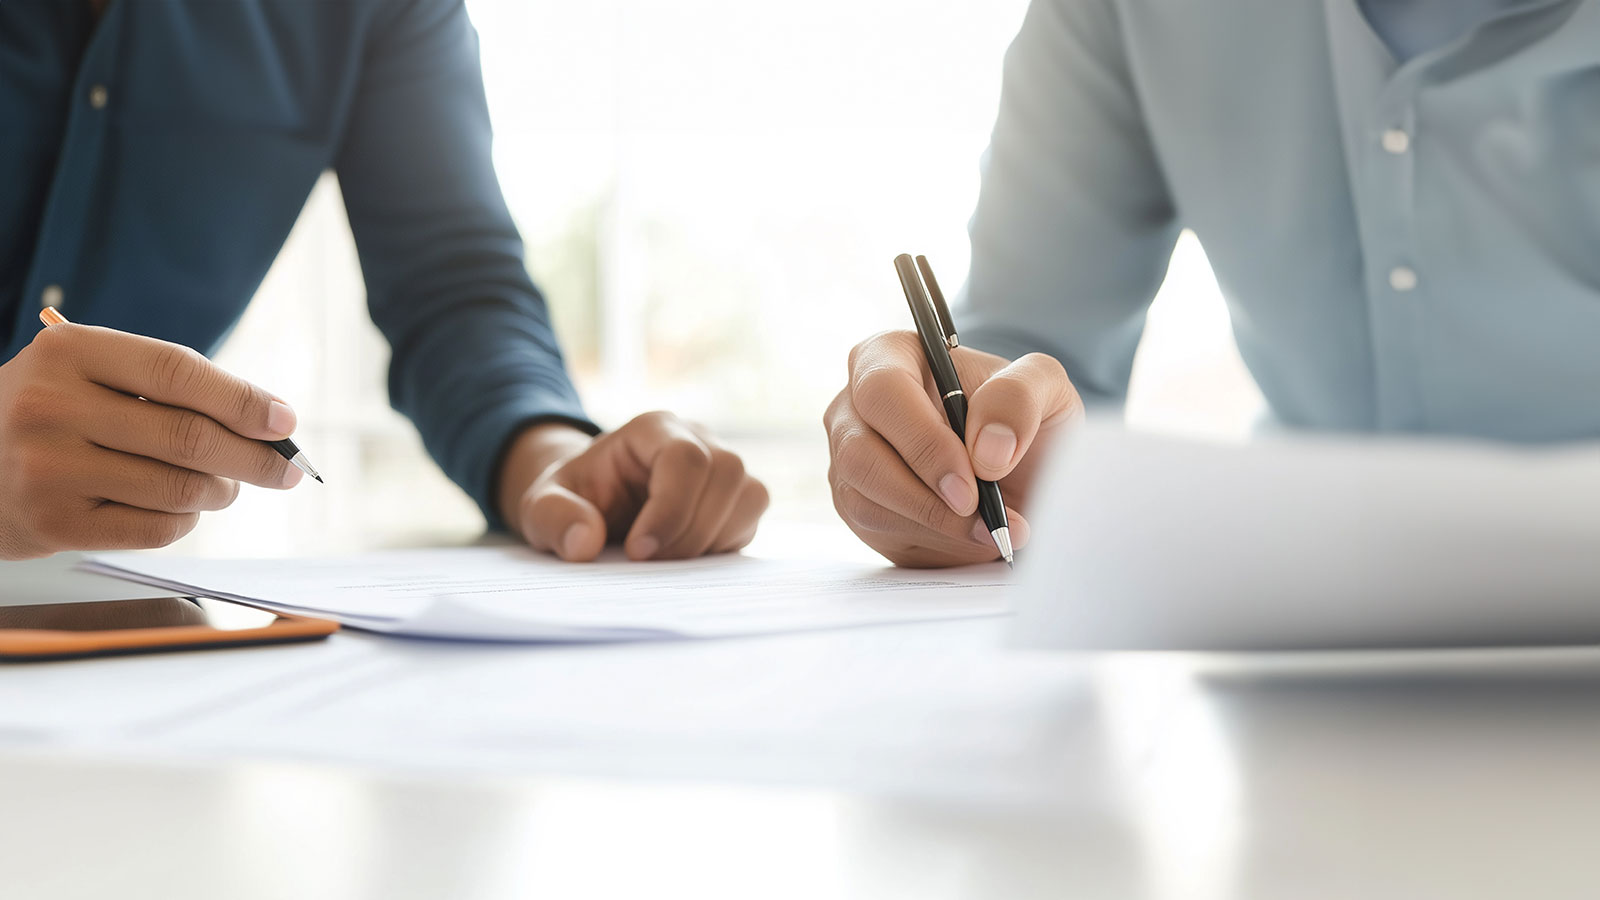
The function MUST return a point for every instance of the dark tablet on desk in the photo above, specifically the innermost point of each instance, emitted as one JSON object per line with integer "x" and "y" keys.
{"x": 48, "y": 631}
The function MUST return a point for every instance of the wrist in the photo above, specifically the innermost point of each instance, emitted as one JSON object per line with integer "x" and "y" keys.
{"x": 534, "y": 450}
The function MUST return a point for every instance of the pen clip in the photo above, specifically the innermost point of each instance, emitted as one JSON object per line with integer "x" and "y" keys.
{"x": 941, "y": 311}
{"x": 930, "y": 331}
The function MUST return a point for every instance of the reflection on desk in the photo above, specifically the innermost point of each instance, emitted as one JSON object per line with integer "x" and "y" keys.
{"x": 1392, "y": 777}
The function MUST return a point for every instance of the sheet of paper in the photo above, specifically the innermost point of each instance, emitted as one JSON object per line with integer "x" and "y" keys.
{"x": 54, "y": 580}
{"x": 1291, "y": 543}
{"x": 515, "y": 594}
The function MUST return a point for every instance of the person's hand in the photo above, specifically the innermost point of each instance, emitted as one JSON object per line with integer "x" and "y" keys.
{"x": 662, "y": 487}
{"x": 87, "y": 465}
{"x": 901, "y": 478}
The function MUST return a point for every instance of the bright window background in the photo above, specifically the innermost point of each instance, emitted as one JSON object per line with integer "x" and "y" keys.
{"x": 711, "y": 192}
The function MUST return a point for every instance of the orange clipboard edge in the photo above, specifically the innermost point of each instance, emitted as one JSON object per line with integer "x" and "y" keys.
{"x": 41, "y": 645}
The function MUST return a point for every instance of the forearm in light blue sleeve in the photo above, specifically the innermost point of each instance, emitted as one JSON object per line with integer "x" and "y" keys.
{"x": 1074, "y": 226}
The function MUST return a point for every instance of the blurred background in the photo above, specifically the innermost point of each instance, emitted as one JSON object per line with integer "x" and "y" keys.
{"x": 711, "y": 192}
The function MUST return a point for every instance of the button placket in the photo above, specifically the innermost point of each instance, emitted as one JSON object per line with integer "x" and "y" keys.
{"x": 51, "y": 271}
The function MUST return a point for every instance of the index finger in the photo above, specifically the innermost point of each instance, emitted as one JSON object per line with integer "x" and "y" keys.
{"x": 888, "y": 393}
{"x": 175, "y": 375}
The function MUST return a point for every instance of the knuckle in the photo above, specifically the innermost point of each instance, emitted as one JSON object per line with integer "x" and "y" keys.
{"x": 1045, "y": 364}
{"x": 33, "y": 467}
{"x": 247, "y": 403}
{"x": 162, "y": 531}
{"x": 861, "y": 514}
{"x": 931, "y": 510}
{"x": 855, "y": 456}
{"x": 864, "y": 348}
{"x": 880, "y": 390}
{"x": 188, "y": 438}
{"x": 175, "y": 368}
{"x": 543, "y": 508}
{"x": 871, "y": 385}
{"x": 267, "y": 467}
{"x": 830, "y": 413}
{"x": 687, "y": 454}
{"x": 57, "y": 340}
{"x": 761, "y": 497}
{"x": 34, "y": 406}
{"x": 921, "y": 452}
{"x": 727, "y": 465}
{"x": 183, "y": 490}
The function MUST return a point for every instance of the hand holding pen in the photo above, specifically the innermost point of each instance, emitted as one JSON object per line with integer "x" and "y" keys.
{"x": 111, "y": 440}
{"x": 902, "y": 479}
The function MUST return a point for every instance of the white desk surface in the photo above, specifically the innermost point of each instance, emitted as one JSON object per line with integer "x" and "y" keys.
{"x": 904, "y": 762}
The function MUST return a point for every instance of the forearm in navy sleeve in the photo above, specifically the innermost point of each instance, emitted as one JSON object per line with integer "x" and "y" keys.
{"x": 475, "y": 358}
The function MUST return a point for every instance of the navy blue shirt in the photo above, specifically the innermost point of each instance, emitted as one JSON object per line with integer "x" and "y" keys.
{"x": 152, "y": 163}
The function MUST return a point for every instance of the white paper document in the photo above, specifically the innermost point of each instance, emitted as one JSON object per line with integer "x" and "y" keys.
{"x": 515, "y": 594}
{"x": 1285, "y": 543}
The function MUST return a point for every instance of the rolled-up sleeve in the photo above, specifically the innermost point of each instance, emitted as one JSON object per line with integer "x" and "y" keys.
{"x": 475, "y": 358}
{"x": 1074, "y": 227}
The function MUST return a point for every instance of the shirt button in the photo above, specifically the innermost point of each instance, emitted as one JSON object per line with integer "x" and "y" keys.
{"x": 1403, "y": 278}
{"x": 1396, "y": 141}
{"x": 99, "y": 96}
{"x": 51, "y": 296}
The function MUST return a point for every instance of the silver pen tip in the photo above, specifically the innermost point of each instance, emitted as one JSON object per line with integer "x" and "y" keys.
{"x": 1002, "y": 540}
{"x": 300, "y": 462}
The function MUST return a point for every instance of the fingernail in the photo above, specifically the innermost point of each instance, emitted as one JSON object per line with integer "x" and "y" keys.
{"x": 956, "y": 491}
{"x": 645, "y": 547}
{"x": 980, "y": 533}
{"x": 292, "y": 477}
{"x": 280, "y": 419}
{"x": 572, "y": 543}
{"x": 995, "y": 445}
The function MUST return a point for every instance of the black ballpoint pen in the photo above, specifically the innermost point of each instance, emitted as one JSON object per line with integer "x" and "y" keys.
{"x": 286, "y": 448}
{"x": 937, "y": 332}
{"x": 295, "y": 456}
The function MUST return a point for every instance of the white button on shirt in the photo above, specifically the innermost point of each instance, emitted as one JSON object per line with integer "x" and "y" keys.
{"x": 99, "y": 96}
{"x": 1403, "y": 278}
{"x": 51, "y": 296}
{"x": 1396, "y": 141}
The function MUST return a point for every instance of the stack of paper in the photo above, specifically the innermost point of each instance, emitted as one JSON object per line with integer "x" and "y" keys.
{"x": 515, "y": 594}
{"x": 1291, "y": 543}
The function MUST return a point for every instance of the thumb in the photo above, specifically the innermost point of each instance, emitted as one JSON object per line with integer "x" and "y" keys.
{"x": 554, "y": 518}
{"x": 1007, "y": 411}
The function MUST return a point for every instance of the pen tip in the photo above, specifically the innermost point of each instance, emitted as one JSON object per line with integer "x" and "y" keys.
{"x": 319, "y": 479}
{"x": 1010, "y": 564}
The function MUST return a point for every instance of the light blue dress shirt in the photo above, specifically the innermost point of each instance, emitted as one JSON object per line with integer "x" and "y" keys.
{"x": 1402, "y": 246}
{"x": 1412, "y": 27}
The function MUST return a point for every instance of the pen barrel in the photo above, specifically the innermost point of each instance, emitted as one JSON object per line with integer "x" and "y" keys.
{"x": 955, "y": 409}
{"x": 991, "y": 506}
